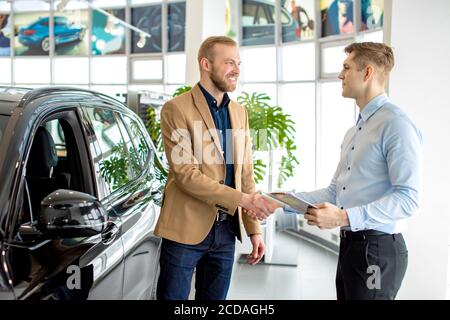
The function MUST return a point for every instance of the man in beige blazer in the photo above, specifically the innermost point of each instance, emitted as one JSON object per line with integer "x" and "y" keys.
{"x": 207, "y": 144}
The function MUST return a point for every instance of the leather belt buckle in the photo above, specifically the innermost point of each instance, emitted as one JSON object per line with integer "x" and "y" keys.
{"x": 347, "y": 234}
{"x": 221, "y": 216}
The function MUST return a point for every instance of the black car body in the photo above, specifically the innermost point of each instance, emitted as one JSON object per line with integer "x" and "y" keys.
{"x": 80, "y": 194}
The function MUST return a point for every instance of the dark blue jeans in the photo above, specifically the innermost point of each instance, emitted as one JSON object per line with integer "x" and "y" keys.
{"x": 212, "y": 258}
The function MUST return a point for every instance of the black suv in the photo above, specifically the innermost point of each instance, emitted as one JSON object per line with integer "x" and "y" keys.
{"x": 80, "y": 193}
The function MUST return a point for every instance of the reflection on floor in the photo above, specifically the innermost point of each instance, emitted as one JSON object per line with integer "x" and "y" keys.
{"x": 313, "y": 278}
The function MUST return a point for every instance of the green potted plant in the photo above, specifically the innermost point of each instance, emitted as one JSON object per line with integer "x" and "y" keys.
{"x": 271, "y": 129}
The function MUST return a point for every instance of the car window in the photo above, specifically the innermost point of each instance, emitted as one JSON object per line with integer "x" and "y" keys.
{"x": 270, "y": 14}
{"x": 133, "y": 160}
{"x": 141, "y": 148}
{"x": 55, "y": 160}
{"x": 57, "y": 133}
{"x": 285, "y": 19}
{"x": 248, "y": 13}
{"x": 116, "y": 165}
{"x": 3, "y": 122}
{"x": 60, "y": 21}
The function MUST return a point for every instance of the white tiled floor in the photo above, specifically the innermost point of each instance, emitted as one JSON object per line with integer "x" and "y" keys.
{"x": 448, "y": 276}
{"x": 313, "y": 278}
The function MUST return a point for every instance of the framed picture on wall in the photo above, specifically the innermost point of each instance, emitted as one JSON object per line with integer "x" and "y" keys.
{"x": 70, "y": 29}
{"x": 258, "y": 22}
{"x": 372, "y": 14}
{"x": 5, "y": 34}
{"x": 337, "y": 17}
{"x": 32, "y": 30}
{"x": 299, "y": 13}
{"x": 177, "y": 26}
{"x": 147, "y": 19}
{"x": 108, "y": 34}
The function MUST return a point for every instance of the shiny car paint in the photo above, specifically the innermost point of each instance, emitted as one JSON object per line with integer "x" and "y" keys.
{"x": 119, "y": 263}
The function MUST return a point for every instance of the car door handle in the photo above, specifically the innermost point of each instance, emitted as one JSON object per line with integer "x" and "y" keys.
{"x": 111, "y": 232}
{"x": 258, "y": 34}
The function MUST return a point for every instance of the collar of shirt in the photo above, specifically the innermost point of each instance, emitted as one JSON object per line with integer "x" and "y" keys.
{"x": 373, "y": 106}
{"x": 212, "y": 102}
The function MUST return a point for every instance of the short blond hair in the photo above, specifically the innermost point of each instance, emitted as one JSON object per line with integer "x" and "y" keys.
{"x": 379, "y": 54}
{"x": 207, "y": 47}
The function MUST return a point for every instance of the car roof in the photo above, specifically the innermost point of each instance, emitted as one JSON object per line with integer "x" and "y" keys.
{"x": 10, "y": 98}
{"x": 15, "y": 97}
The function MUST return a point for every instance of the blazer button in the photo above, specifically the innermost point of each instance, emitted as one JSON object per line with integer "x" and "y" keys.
{"x": 221, "y": 182}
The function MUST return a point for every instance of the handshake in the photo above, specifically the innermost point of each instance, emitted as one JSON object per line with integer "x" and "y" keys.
{"x": 323, "y": 215}
{"x": 257, "y": 207}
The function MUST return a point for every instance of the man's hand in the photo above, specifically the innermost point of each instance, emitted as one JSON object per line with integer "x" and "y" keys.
{"x": 327, "y": 216}
{"x": 256, "y": 206}
{"x": 258, "y": 249}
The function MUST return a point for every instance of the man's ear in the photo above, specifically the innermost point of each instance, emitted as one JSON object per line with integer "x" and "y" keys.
{"x": 205, "y": 64}
{"x": 369, "y": 72}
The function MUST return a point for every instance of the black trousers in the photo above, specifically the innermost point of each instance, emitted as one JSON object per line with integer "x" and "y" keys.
{"x": 371, "y": 267}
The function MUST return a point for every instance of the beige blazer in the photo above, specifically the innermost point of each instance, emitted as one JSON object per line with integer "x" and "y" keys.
{"x": 195, "y": 188}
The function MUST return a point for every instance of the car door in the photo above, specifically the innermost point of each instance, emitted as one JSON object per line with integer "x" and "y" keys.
{"x": 129, "y": 184}
{"x": 41, "y": 268}
{"x": 105, "y": 257}
{"x": 139, "y": 211}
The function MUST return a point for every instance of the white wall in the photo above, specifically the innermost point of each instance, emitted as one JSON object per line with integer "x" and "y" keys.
{"x": 420, "y": 84}
{"x": 204, "y": 18}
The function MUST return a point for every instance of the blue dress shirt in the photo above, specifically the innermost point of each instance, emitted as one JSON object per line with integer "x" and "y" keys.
{"x": 378, "y": 179}
{"x": 222, "y": 122}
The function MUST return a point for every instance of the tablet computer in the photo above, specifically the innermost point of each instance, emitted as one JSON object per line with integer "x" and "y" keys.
{"x": 288, "y": 199}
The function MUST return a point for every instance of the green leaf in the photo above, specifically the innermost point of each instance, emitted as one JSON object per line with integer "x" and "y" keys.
{"x": 272, "y": 129}
{"x": 181, "y": 90}
{"x": 154, "y": 128}
{"x": 259, "y": 170}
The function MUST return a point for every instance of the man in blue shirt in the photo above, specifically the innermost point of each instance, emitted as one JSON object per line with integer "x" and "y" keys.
{"x": 377, "y": 182}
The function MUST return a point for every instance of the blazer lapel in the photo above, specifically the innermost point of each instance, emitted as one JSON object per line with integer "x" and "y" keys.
{"x": 202, "y": 106}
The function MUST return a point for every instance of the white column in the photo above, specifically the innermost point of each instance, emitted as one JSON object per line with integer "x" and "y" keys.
{"x": 419, "y": 83}
{"x": 204, "y": 18}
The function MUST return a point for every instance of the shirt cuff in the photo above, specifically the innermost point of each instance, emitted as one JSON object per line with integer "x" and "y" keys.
{"x": 356, "y": 218}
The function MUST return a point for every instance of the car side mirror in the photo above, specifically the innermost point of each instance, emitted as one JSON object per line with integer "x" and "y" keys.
{"x": 71, "y": 214}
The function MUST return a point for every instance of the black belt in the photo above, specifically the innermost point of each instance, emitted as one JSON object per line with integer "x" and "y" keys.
{"x": 222, "y": 216}
{"x": 361, "y": 235}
